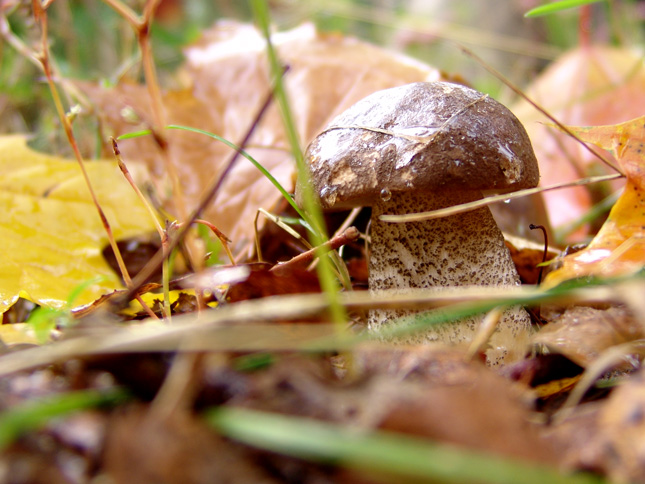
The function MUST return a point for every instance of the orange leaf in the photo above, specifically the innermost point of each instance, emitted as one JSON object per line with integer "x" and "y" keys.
{"x": 619, "y": 247}
{"x": 626, "y": 141}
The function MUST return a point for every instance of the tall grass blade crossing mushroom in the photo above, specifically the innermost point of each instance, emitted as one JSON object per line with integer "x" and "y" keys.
{"x": 422, "y": 147}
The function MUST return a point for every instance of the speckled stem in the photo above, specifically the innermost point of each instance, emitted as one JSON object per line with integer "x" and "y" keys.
{"x": 460, "y": 250}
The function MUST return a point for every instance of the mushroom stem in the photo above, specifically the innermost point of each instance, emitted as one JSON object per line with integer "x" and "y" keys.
{"x": 460, "y": 250}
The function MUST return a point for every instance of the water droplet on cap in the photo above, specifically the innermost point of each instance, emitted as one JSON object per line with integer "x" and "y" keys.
{"x": 329, "y": 195}
{"x": 386, "y": 195}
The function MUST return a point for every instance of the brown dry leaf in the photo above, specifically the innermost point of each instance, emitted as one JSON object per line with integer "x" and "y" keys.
{"x": 622, "y": 427}
{"x": 429, "y": 391}
{"x": 583, "y": 333}
{"x": 457, "y": 402}
{"x": 607, "y": 436}
{"x": 143, "y": 448}
{"x": 595, "y": 85}
{"x": 527, "y": 256}
{"x": 482, "y": 415}
{"x": 262, "y": 282}
{"x": 577, "y": 439}
{"x": 226, "y": 78}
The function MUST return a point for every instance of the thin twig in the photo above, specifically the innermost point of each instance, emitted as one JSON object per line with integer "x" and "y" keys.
{"x": 467, "y": 207}
{"x": 141, "y": 27}
{"x": 278, "y": 221}
{"x": 546, "y": 248}
{"x": 162, "y": 233}
{"x": 348, "y": 235}
{"x": 221, "y": 236}
{"x": 211, "y": 193}
{"x": 128, "y": 177}
{"x": 41, "y": 17}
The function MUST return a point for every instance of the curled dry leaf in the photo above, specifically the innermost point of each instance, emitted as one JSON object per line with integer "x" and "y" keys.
{"x": 227, "y": 80}
{"x": 587, "y": 86}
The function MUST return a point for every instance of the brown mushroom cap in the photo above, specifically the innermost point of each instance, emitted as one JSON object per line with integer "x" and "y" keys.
{"x": 421, "y": 136}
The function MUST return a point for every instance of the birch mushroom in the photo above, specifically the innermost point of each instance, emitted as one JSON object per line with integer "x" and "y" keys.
{"x": 422, "y": 147}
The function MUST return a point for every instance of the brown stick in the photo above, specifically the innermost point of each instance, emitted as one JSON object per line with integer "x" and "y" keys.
{"x": 350, "y": 234}
{"x": 40, "y": 14}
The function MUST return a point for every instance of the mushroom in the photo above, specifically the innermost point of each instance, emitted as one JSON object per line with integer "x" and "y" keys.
{"x": 422, "y": 147}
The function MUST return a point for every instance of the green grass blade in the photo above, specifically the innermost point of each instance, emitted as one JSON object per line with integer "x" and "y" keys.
{"x": 315, "y": 219}
{"x": 380, "y": 452}
{"x": 134, "y": 134}
{"x": 231, "y": 145}
{"x": 78, "y": 290}
{"x": 558, "y": 7}
{"x": 257, "y": 164}
{"x": 35, "y": 414}
{"x": 601, "y": 208}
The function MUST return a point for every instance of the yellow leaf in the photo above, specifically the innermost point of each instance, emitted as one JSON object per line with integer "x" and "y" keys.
{"x": 153, "y": 298}
{"x": 619, "y": 246}
{"x": 15, "y": 334}
{"x": 626, "y": 141}
{"x": 50, "y": 234}
{"x": 556, "y": 386}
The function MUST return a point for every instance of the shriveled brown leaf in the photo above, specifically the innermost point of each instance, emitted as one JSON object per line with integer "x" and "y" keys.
{"x": 577, "y": 439}
{"x": 583, "y": 333}
{"x": 461, "y": 403}
{"x": 226, "y": 77}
